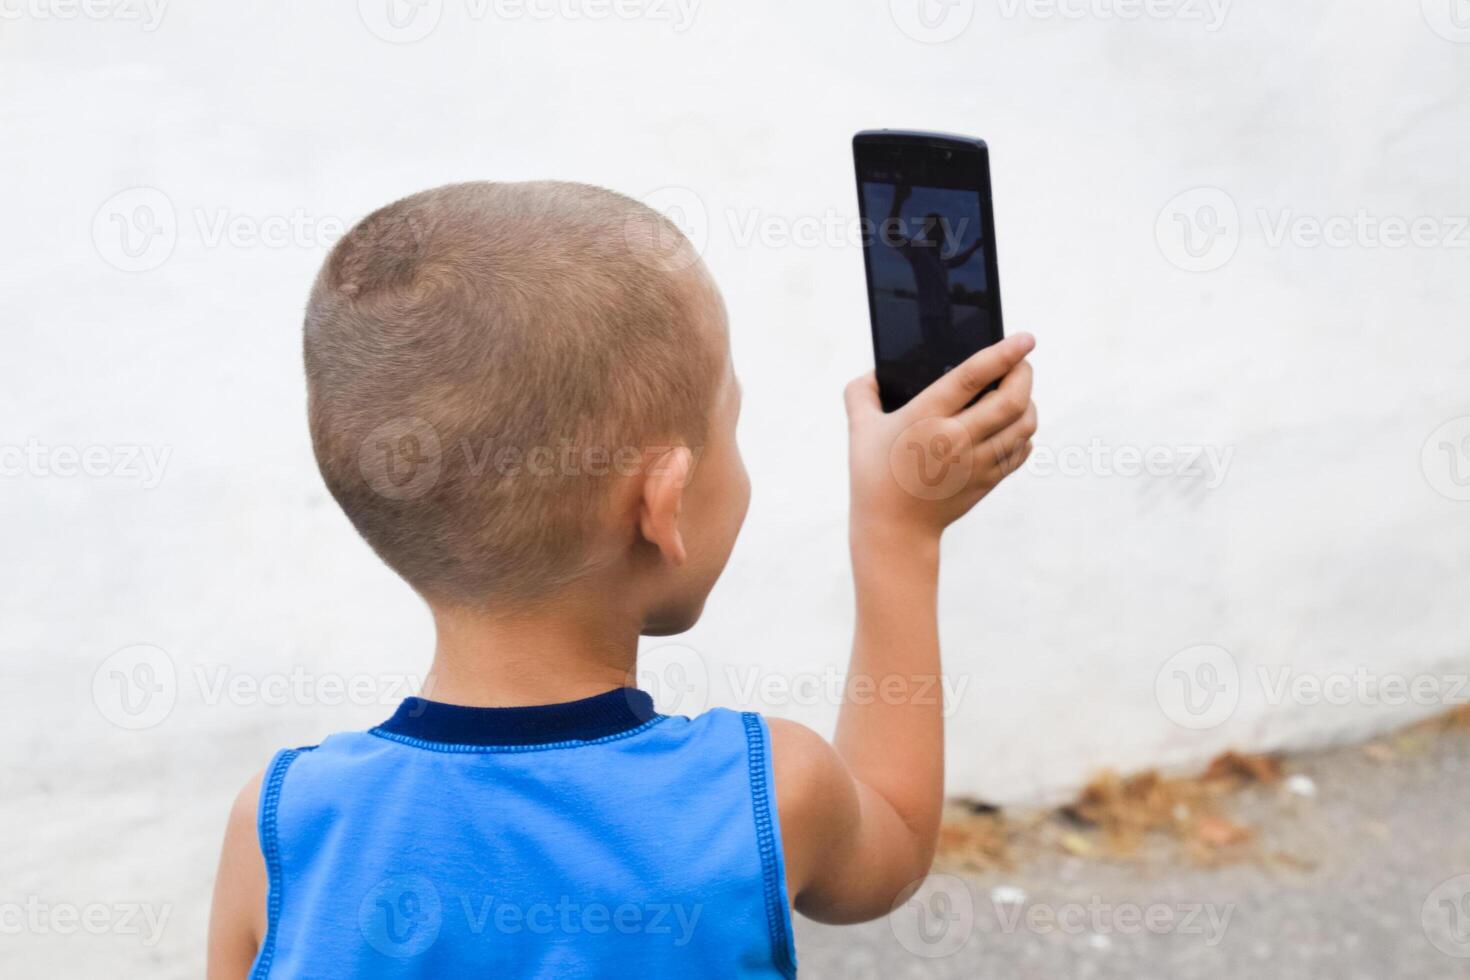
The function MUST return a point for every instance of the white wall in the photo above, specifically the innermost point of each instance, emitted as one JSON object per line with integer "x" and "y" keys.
{"x": 1327, "y": 545}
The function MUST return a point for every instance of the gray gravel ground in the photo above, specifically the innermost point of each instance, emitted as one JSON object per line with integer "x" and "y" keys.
{"x": 1377, "y": 887}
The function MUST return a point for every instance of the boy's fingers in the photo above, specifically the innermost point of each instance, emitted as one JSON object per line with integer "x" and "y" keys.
{"x": 953, "y": 391}
{"x": 1001, "y": 407}
{"x": 1005, "y": 450}
{"x": 861, "y": 396}
{"x": 1017, "y": 458}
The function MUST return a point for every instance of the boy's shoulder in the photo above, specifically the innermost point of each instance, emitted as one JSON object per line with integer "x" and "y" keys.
{"x": 816, "y": 798}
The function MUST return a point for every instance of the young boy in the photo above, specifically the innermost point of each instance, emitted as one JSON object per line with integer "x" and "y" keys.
{"x": 510, "y": 386}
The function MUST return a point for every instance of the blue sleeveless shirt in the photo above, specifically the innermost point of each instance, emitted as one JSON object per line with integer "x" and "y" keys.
{"x": 589, "y": 839}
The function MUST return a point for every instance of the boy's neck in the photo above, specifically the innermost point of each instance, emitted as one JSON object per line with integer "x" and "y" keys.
{"x": 561, "y": 651}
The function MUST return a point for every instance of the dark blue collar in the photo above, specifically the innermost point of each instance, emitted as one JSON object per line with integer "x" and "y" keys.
{"x": 612, "y": 713}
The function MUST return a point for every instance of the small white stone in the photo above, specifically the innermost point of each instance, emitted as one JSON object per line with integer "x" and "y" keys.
{"x": 1301, "y": 786}
{"x": 1099, "y": 941}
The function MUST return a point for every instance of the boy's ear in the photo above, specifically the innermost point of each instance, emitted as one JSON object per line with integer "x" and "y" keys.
{"x": 663, "y": 502}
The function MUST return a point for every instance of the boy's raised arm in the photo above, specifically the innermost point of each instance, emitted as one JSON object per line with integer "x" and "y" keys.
{"x": 860, "y": 817}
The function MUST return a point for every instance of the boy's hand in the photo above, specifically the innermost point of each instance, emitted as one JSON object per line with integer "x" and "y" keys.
{"x": 919, "y": 469}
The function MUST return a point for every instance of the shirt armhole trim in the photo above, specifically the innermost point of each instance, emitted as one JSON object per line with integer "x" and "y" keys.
{"x": 767, "y": 832}
{"x": 270, "y": 848}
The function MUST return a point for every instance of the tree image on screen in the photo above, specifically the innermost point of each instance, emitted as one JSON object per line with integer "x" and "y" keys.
{"x": 930, "y": 294}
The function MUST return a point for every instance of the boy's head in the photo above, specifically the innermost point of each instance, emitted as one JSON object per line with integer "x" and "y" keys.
{"x": 509, "y": 387}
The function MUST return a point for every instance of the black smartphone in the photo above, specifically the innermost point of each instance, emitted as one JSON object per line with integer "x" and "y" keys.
{"x": 929, "y": 246}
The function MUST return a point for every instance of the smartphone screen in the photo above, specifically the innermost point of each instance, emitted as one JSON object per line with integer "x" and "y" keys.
{"x": 928, "y": 244}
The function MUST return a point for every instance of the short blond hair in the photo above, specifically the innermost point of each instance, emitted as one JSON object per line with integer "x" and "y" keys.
{"x": 463, "y": 328}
